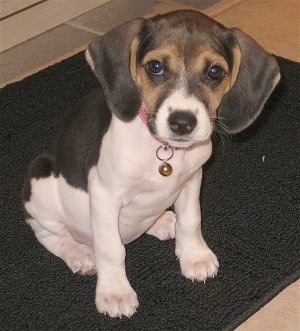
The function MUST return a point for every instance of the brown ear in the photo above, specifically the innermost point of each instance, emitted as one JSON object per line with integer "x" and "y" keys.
{"x": 109, "y": 57}
{"x": 258, "y": 74}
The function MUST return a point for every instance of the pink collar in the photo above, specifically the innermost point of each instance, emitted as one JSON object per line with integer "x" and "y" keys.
{"x": 143, "y": 114}
{"x": 165, "y": 168}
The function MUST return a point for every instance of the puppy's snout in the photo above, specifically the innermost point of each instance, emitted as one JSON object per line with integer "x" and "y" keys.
{"x": 182, "y": 122}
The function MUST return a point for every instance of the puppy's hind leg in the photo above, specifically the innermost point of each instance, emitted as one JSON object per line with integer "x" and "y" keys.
{"x": 57, "y": 239}
{"x": 164, "y": 226}
{"x": 43, "y": 212}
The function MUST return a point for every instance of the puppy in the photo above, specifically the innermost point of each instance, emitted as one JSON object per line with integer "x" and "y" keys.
{"x": 136, "y": 146}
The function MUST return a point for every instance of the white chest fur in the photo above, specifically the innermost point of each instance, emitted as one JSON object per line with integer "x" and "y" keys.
{"x": 128, "y": 170}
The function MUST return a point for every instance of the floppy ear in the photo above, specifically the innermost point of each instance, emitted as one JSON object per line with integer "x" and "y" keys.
{"x": 257, "y": 76}
{"x": 109, "y": 57}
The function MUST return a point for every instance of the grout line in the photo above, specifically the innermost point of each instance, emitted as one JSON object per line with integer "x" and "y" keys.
{"x": 21, "y": 10}
{"x": 84, "y": 28}
{"x": 57, "y": 59}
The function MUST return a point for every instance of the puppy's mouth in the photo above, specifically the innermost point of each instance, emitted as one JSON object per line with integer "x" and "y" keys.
{"x": 181, "y": 129}
{"x": 183, "y": 133}
{"x": 182, "y": 143}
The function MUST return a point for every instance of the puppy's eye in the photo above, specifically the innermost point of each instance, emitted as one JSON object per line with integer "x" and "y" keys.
{"x": 215, "y": 72}
{"x": 155, "y": 68}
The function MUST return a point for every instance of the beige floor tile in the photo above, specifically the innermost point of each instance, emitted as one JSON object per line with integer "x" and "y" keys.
{"x": 281, "y": 314}
{"x": 106, "y": 17}
{"x": 203, "y": 4}
{"x": 40, "y": 52}
{"x": 275, "y": 24}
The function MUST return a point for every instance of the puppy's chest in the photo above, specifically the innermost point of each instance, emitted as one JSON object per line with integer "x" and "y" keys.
{"x": 143, "y": 176}
{"x": 129, "y": 167}
{"x": 129, "y": 148}
{"x": 129, "y": 162}
{"x": 146, "y": 193}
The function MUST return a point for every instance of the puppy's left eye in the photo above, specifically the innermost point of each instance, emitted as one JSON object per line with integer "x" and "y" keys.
{"x": 155, "y": 68}
{"x": 215, "y": 72}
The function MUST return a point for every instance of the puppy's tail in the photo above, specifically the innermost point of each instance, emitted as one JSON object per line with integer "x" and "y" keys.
{"x": 41, "y": 167}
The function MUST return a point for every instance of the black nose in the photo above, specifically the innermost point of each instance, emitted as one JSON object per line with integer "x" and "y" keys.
{"x": 182, "y": 122}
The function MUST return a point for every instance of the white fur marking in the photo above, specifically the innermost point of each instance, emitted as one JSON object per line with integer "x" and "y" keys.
{"x": 179, "y": 100}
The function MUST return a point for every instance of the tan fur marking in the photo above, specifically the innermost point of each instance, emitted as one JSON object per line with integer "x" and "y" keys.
{"x": 89, "y": 60}
{"x": 170, "y": 52}
{"x": 150, "y": 91}
{"x": 236, "y": 66}
{"x": 133, "y": 51}
{"x": 196, "y": 64}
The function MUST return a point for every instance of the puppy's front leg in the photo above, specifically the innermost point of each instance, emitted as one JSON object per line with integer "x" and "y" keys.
{"x": 197, "y": 261}
{"x": 114, "y": 295}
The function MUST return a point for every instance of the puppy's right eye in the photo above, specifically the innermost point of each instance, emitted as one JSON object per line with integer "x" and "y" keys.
{"x": 215, "y": 72}
{"x": 155, "y": 68}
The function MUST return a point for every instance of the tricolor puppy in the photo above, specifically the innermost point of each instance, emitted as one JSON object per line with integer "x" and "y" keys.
{"x": 136, "y": 146}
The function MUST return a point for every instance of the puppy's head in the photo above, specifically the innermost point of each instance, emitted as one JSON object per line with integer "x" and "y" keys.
{"x": 186, "y": 69}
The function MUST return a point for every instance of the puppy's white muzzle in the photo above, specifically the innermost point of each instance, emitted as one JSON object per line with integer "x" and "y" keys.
{"x": 182, "y": 120}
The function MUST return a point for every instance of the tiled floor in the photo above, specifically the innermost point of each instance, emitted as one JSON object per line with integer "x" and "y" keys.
{"x": 275, "y": 24}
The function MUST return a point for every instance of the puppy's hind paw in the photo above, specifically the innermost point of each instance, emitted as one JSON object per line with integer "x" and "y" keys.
{"x": 164, "y": 227}
{"x": 81, "y": 260}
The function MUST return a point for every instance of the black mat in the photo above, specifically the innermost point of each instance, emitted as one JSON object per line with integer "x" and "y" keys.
{"x": 250, "y": 205}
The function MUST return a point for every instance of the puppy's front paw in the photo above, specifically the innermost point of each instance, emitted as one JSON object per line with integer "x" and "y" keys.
{"x": 198, "y": 266}
{"x": 116, "y": 301}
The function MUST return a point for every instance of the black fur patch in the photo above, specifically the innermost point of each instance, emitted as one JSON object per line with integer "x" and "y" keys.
{"x": 110, "y": 55}
{"x": 78, "y": 142}
{"x": 255, "y": 82}
{"x": 41, "y": 167}
{"x": 77, "y": 145}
